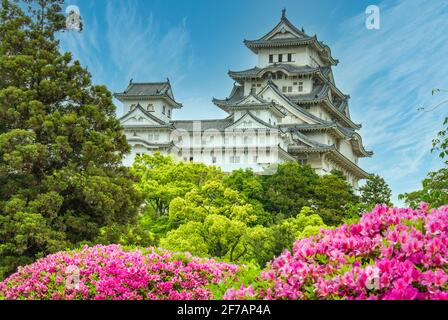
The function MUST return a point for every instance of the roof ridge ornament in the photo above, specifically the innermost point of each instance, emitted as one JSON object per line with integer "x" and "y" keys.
{"x": 283, "y": 13}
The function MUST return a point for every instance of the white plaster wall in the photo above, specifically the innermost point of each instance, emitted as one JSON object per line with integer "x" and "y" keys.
{"x": 320, "y": 111}
{"x": 347, "y": 150}
{"x": 299, "y": 56}
{"x": 314, "y": 59}
{"x": 280, "y": 83}
{"x": 149, "y": 135}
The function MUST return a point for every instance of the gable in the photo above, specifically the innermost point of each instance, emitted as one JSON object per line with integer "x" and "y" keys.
{"x": 284, "y": 30}
{"x": 248, "y": 121}
{"x": 250, "y": 99}
{"x": 139, "y": 117}
{"x": 283, "y": 35}
{"x": 269, "y": 94}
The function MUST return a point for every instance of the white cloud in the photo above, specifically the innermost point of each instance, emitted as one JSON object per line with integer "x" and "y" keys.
{"x": 129, "y": 43}
{"x": 141, "y": 49}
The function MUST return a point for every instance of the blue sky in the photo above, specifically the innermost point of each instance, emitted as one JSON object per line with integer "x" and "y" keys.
{"x": 388, "y": 73}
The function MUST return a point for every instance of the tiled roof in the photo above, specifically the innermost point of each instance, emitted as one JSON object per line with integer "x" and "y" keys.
{"x": 289, "y": 68}
{"x": 298, "y": 37}
{"x": 148, "y": 89}
{"x": 318, "y": 92}
{"x": 236, "y": 95}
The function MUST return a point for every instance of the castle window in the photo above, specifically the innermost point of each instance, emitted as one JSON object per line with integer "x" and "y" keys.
{"x": 234, "y": 159}
{"x": 300, "y": 87}
{"x": 271, "y": 58}
{"x": 284, "y": 89}
{"x": 214, "y": 159}
{"x": 150, "y": 108}
{"x": 295, "y": 83}
{"x": 259, "y": 85}
{"x": 280, "y": 57}
{"x": 164, "y": 110}
{"x": 169, "y": 113}
{"x": 289, "y": 89}
{"x": 289, "y": 57}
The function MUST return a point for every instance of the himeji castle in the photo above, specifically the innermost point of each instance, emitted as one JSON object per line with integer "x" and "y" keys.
{"x": 287, "y": 108}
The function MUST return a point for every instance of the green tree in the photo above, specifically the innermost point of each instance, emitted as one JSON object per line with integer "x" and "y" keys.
{"x": 215, "y": 236}
{"x": 307, "y": 223}
{"x": 213, "y": 198}
{"x": 434, "y": 191}
{"x": 375, "y": 191}
{"x": 161, "y": 179}
{"x": 61, "y": 145}
{"x": 440, "y": 144}
{"x": 250, "y": 186}
{"x": 333, "y": 197}
{"x": 289, "y": 189}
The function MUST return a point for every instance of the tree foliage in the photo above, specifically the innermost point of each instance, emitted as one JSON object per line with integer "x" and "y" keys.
{"x": 161, "y": 179}
{"x": 289, "y": 189}
{"x": 440, "y": 143}
{"x": 434, "y": 191}
{"x": 333, "y": 196}
{"x": 61, "y": 145}
{"x": 375, "y": 191}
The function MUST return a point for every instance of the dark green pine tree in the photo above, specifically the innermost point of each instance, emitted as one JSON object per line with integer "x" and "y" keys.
{"x": 333, "y": 198}
{"x": 375, "y": 191}
{"x": 61, "y": 146}
{"x": 290, "y": 189}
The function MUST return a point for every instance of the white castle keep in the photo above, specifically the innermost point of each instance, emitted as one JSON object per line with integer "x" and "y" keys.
{"x": 287, "y": 108}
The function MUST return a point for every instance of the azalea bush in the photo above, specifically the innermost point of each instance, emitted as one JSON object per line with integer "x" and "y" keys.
{"x": 110, "y": 272}
{"x": 390, "y": 254}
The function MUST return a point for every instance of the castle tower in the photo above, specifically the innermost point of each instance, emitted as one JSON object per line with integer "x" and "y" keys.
{"x": 291, "y": 93}
{"x": 293, "y": 88}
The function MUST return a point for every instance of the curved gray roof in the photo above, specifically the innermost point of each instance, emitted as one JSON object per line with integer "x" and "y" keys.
{"x": 318, "y": 92}
{"x": 148, "y": 89}
{"x": 289, "y": 68}
{"x": 298, "y": 37}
